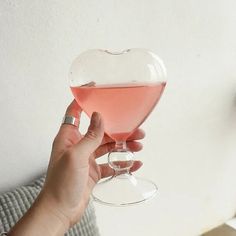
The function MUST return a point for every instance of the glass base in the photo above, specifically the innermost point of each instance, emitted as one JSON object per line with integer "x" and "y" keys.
{"x": 124, "y": 190}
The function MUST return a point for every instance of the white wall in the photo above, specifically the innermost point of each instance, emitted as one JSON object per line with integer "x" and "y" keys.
{"x": 190, "y": 145}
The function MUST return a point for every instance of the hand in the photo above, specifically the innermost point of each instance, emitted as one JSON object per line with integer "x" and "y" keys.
{"x": 73, "y": 171}
{"x": 72, "y": 174}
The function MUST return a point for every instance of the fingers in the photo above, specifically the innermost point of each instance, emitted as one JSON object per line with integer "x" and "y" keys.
{"x": 66, "y": 131}
{"x": 133, "y": 146}
{"x": 68, "y": 134}
{"x": 107, "y": 171}
{"x": 136, "y": 135}
{"x": 72, "y": 110}
{"x": 92, "y": 139}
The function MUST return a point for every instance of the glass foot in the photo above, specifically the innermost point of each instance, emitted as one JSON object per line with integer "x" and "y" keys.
{"x": 124, "y": 190}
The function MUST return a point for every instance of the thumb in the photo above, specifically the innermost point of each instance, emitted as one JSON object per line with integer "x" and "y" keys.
{"x": 93, "y": 138}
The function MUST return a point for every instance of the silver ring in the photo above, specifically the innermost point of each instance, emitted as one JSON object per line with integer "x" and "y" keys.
{"x": 70, "y": 120}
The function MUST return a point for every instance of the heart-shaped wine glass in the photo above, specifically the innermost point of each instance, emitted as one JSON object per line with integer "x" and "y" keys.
{"x": 123, "y": 87}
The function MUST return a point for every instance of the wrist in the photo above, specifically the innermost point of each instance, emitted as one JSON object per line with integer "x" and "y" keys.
{"x": 41, "y": 219}
{"x": 49, "y": 210}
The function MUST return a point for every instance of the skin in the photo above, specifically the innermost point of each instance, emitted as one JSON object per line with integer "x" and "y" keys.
{"x": 72, "y": 173}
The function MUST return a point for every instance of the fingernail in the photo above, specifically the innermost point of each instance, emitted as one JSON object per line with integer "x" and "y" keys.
{"x": 95, "y": 120}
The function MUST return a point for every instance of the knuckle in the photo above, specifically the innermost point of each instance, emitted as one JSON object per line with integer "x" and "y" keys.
{"x": 91, "y": 135}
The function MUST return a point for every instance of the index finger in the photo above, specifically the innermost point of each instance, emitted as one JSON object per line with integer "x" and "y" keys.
{"x": 68, "y": 135}
{"x": 73, "y": 110}
{"x": 68, "y": 131}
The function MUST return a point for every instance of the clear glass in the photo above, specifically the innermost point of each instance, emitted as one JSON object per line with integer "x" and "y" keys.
{"x": 124, "y": 88}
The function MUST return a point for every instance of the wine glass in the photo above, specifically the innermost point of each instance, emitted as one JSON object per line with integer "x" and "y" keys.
{"x": 123, "y": 87}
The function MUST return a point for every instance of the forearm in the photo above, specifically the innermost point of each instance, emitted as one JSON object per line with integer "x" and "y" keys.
{"x": 40, "y": 219}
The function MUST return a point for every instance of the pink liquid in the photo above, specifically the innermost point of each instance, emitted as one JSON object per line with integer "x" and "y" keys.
{"x": 124, "y": 107}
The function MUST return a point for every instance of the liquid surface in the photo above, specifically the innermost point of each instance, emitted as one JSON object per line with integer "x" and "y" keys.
{"x": 124, "y": 107}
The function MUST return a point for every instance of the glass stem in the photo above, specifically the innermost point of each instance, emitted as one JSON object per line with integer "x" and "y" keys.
{"x": 120, "y": 146}
{"x": 126, "y": 156}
